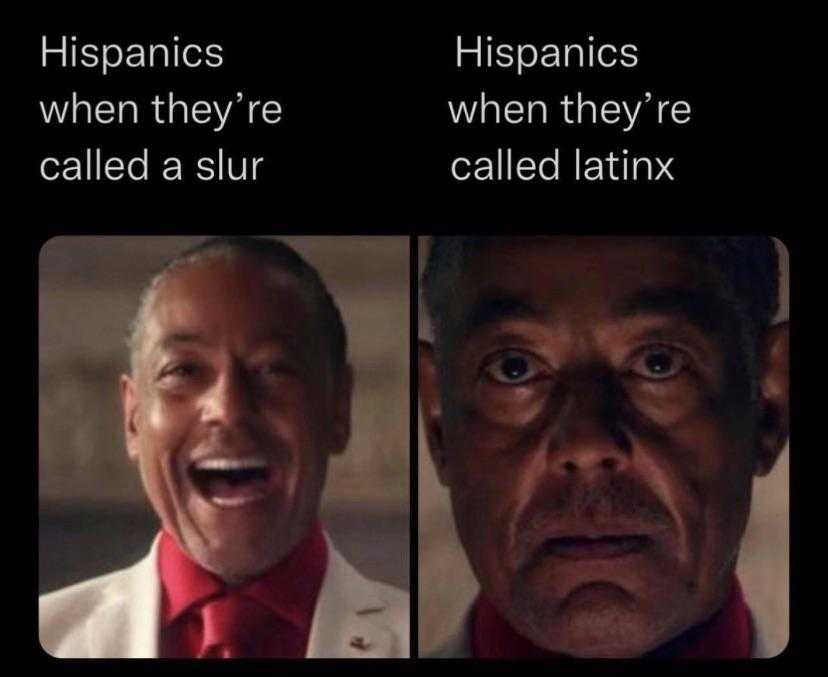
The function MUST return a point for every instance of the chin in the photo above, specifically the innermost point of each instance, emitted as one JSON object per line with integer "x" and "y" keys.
{"x": 605, "y": 650}
{"x": 598, "y": 636}
{"x": 235, "y": 560}
{"x": 236, "y": 568}
{"x": 596, "y": 621}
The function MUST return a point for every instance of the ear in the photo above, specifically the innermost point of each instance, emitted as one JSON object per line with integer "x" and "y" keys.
{"x": 342, "y": 410}
{"x": 431, "y": 407}
{"x": 774, "y": 398}
{"x": 129, "y": 406}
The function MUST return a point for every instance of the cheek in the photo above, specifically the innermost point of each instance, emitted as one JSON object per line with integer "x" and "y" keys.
{"x": 507, "y": 407}
{"x": 490, "y": 434}
{"x": 691, "y": 430}
{"x": 172, "y": 419}
{"x": 298, "y": 421}
{"x": 166, "y": 428}
{"x": 669, "y": 403}
{"x": 494, "y": 417}
{"x": 703, "y": 474}
{"x": 162, "y": 436}
{"x": 724, "y": 476}
{"x": 166, "y": 417}
{"x": 298, "y": 411}
{"x": 492, "y": 476}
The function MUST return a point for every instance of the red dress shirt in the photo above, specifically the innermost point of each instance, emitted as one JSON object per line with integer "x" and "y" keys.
{"x": 727, "y": 635}
{"x": 287, "y": 592}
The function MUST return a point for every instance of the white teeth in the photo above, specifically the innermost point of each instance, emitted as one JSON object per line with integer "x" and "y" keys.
{"x": 224, "y": 463}
{"x": 233, "y": 502}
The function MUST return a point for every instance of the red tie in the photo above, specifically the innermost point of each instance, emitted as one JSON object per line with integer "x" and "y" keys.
{"x": 232, "y": 624}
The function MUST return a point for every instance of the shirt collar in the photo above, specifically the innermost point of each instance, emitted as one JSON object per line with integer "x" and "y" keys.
{"x": 289, "y": 589}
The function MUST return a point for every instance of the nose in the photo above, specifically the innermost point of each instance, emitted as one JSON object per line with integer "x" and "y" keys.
{"x": 229, "y": 399}
{"x": 588, "y": 437}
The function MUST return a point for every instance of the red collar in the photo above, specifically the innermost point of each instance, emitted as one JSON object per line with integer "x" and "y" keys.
{"x": 289, "y": 589}
{"x": 727, "y": 635}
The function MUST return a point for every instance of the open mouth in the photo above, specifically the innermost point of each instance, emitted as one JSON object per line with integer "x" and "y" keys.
{"x": 601, "y": 547}
{"x": 231, "y": 482}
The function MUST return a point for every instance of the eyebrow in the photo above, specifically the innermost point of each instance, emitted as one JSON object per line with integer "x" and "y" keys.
{"x": 177, "y": 338}
{"x": 499, "y": 306}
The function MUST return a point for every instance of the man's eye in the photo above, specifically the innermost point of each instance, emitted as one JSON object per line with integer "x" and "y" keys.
{"x": 658, "y": 363}
{"x": 180, "y": 371}
{"x": 513, "y": 368}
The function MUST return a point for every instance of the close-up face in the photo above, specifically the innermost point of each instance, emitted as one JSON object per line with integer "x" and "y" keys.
{"x": 232, "y": 411}
{"x": 592, "y": 421}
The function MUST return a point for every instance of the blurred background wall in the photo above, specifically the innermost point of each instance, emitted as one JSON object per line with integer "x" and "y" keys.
{"x": 447, "y": 585}
{"x": 93, "y": 514}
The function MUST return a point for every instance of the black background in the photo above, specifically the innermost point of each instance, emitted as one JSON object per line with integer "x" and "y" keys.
{"x": 366, "y": 141}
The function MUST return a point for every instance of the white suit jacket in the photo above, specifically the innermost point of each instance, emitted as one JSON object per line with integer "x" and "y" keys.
{"x": 118, "y": 615}
{"x": 457, "y": 644}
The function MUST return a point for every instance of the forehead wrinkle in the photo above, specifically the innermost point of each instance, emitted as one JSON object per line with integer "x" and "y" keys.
{"x": 273, "y": 338}
{"x": 176, "y": 338}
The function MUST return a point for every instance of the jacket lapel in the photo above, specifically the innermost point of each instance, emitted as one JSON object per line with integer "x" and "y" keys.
{"x": 456, "y": 645}
{"x": 343, "y": 621}
{"x": 126, "y": 623}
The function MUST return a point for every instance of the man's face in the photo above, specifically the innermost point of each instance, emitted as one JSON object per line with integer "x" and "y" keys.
{"x": 232, "y": 413}
{"x": 597, "y": 447}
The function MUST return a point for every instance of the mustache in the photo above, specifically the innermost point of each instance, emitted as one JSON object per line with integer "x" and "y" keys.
{"x": 619, "y": 499}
